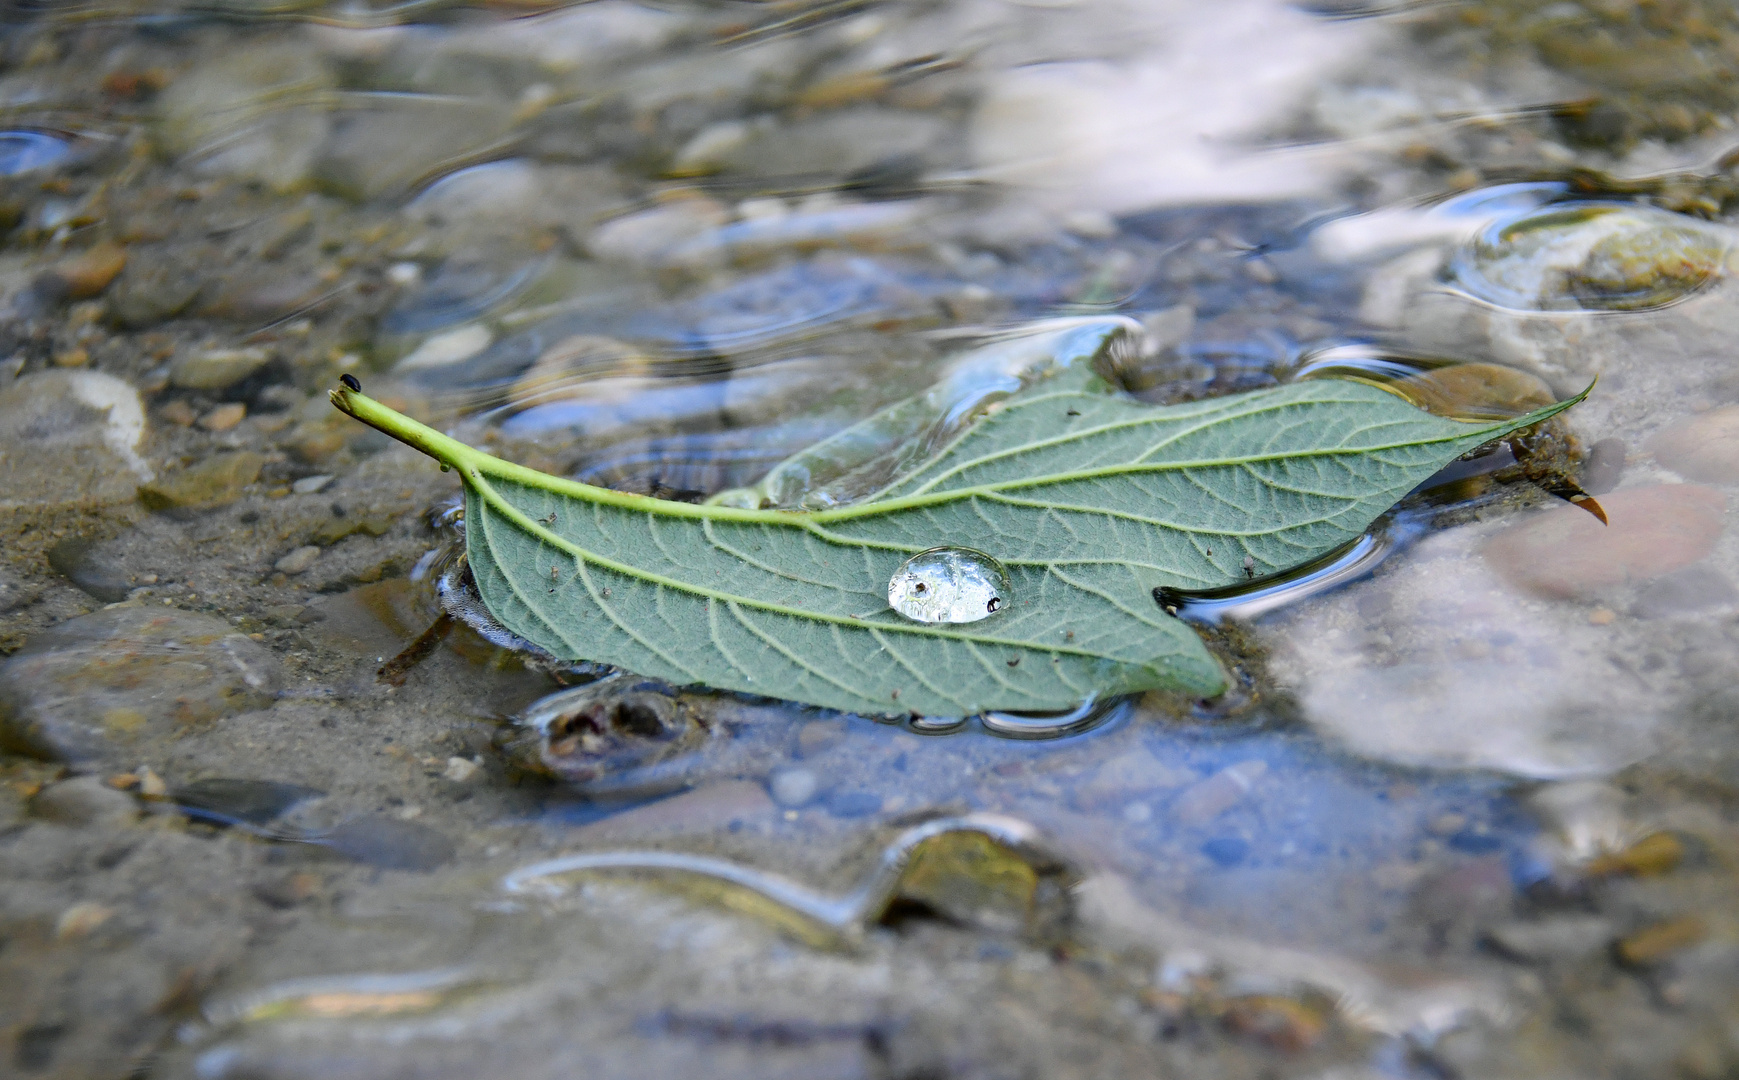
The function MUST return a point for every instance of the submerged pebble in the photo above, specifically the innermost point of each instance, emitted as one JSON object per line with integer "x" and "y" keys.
{"x": 83, "y": 561}
{"x": 84, "y": 275}
{"x": 297, "y": 561}
{"x": 970, "y": 878}
{"x": 1477, "y": 391}
{"x": 949, "y": 585}
{"x": 216, "y": 369}
{"x": 217, "y": 481}
{"x": 1659, "y": 942}
{"x": 92, "y": 686}
{"x": 84, "y": 800}
{"x": 1704, "y": 448}
{"x": 1591, "y": 256}
{"x": 1207, "y": 799}
{"x": 69, "y": 438}
{"x": 792, "y": 788}
{"x": 1651, "y": 531}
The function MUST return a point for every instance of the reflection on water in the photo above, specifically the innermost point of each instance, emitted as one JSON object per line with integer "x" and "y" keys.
{"x": 1466, "y": 806}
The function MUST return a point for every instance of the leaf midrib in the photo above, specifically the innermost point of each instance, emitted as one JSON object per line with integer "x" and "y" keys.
{"x": 1206, "y": 421}
{"x": 493, "y": 498}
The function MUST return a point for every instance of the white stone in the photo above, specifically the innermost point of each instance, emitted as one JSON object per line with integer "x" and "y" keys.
{"x": 460, "y": 343}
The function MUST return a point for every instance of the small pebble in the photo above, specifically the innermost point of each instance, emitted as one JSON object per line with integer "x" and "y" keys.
{"x": 224, "y": 417}
{"x": 1207, "y": 799}
{"x": 1602, "y": 617}
{"x": 461, "y": 770}
{"x": 1566, "y": 552}
{"x": 1447, "y": 824}
{"x": 1656, "y": 853}
{"x": 215, "y": 369}
{"x": 849, "y": 804}
{"x": 179, "y": 413}
{"x": 819, "y": 735}
{"x": 150, "y": 784}
{"x": 72, "y": 358}
{"x": 84, "y": 561}
{"x": 86, "y": 274}
{"x": 297, "y": 561}
{"x": 1652, "y": 944}
{"x": 311, "y": 485}
{"x": 217, "y": 481}
{"x": 83, "y": 800}
{"x": 81, "y": 919}
{"x": 289, "y": 890}
{"x": 792, "y": 788}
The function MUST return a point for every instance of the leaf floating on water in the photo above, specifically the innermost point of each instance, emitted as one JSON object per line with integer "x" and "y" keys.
{"x": 1089, "y": 500}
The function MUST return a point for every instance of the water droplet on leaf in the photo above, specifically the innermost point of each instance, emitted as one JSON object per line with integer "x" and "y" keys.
{"x": 948, "y": 585}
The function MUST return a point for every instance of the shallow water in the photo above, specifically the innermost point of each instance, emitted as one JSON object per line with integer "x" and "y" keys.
{"x": 1467, "y": 809}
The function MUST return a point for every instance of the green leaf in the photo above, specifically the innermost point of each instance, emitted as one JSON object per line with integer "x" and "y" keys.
{"x": 1090, "y": 500}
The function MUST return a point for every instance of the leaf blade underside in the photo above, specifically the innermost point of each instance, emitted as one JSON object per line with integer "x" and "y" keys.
{"x": 1090, "y": 500}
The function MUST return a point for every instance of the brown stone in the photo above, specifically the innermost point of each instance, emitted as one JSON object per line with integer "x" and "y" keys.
{"x": 217, "y": 481}
{"x": 1656, "y": 853}
{"x": 1703, "y": 447}
{"x": 1652, "y": 944}
{"x": 1652, "y": 531}
{"x": 88, "y": 273}
{"x": 968, "y": 877}
{"x": 1477, "y": 391}
{"x": 333, "y": 530}
{"x": 224, "y": 417}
